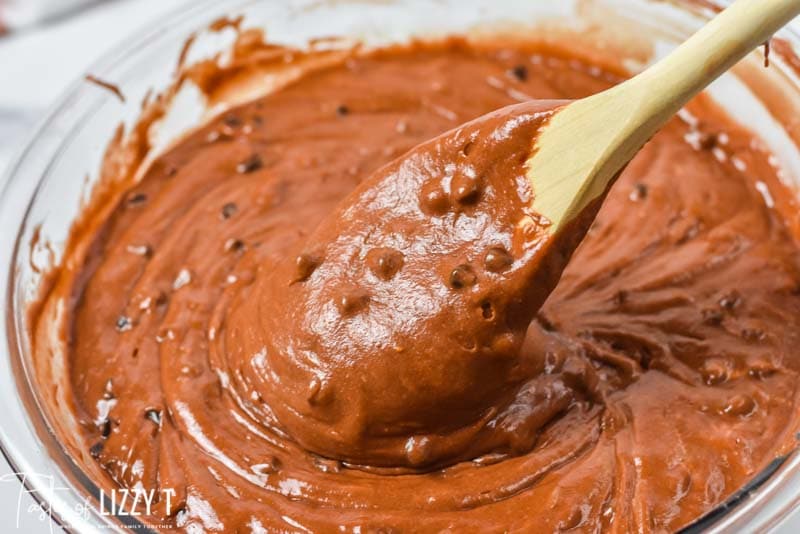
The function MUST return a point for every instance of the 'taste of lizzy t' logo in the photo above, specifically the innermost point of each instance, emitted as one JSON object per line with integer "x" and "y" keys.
{"x": 128, "y": 502}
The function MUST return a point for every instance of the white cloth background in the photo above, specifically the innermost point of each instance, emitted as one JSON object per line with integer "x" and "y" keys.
{"x": 21, "y": 13}
{"x": 35, "y": 67}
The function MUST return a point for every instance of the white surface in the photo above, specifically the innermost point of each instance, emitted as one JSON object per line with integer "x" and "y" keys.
{"x": 35, "y": 67}
{"x": 19, "y": 13}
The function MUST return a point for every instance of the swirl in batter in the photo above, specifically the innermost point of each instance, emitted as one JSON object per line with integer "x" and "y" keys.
{"x": 362, "y": 376}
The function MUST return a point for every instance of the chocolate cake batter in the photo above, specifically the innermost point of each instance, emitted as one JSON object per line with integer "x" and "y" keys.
{"x": 288, "y": 363}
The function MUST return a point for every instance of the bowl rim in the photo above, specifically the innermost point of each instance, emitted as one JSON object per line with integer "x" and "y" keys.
{"x": 39, "y": 487}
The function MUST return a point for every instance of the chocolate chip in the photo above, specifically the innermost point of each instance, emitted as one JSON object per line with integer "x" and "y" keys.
{"x": 707, "y": 141}
{"x": 714, "y": 371}
{"x": 306, "y": 263}
{"x": 576, "y": 518}
{"x": 229, "y": 210}
{"x": 487, "y": 310}
{"x": 418, "y": 450}
{"x": 384, "y": 262}
{"x": 465, "y": 189}
{"x": 761, "y": 369}
{"x": 313, "y": 389}
{"x": 215, "y": 135}
{"x": 140, "y": 250}
{"x": 497, "y": 259}
{"x": 270, "y": 466}
{"x": 161, "y": 299}
{"x": 137, "y": 199}
{"x": 251, "y": 164}
{"x": 519, "y": 72}
{"x": 232, "y": 120}
{"x": 468, "y": 343}
{"x": 740, "y": 405}
{"x": 124, "y": 323}
{"x": 105, "y": 428}
{"x": 342, "y": 110}
{"x": 462, "y": 276}
{"x": 153, "y": 415}
{"x": 327, "y": 466}
{"x": 433, "y": 200}
{"x": 108, "y": 392}
{"x": 639, "y": 192}
{"x": 319, "y": 391}
{"x": 712, "y": 317}
{"x": 352, "y": 301}
{"x": 730, "y": 301}
{"x": 96, "y": 449}
{"x": 234, "y": 245}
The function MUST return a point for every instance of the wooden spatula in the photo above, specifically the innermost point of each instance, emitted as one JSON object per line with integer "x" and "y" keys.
{"x": 588, "y": 142}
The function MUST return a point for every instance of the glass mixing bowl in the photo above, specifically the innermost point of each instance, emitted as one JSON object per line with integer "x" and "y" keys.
{"x": 49, "y": 183}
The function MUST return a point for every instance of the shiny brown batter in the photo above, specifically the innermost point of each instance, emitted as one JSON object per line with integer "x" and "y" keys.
{"x": 218, "y": 336}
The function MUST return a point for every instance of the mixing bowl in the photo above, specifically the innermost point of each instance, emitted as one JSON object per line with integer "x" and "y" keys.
{"x": 51, "y": 180}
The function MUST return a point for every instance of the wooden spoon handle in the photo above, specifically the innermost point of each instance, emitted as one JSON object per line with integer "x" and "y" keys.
{"x": 589, "y": 141}
{"x": 714, "y": 49}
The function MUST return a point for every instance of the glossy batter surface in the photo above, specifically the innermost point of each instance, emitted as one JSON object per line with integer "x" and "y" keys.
{"x": 658, "y": 378}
